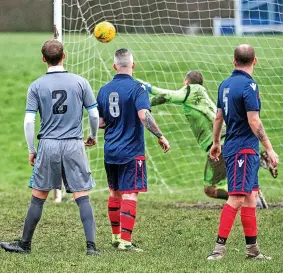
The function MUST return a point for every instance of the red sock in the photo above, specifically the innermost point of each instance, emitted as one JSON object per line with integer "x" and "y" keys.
{"x": 128, "y": 218}
{"x": 248, "y": 218}
{"x": 114, "y": 205}
{"x": 227, "y": 219}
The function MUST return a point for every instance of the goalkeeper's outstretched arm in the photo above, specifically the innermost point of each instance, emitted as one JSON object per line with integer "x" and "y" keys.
{"x": 165, "y": 95}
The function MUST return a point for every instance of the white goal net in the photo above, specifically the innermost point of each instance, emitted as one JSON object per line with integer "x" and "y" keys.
{"x": 169, "y": 38}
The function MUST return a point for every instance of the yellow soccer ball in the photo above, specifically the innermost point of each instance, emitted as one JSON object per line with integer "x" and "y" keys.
{"x": 104, "y": 32}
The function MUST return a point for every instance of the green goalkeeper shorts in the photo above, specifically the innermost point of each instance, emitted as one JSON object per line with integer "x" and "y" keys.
{"x": 215, "y": 172}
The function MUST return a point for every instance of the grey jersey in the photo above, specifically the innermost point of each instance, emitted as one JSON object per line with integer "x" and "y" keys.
{"x": 59, "y": 97}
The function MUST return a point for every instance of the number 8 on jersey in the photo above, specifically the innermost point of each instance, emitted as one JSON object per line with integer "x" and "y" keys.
{"x": 114, "y": 104}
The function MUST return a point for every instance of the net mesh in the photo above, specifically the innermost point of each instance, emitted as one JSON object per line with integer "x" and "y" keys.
{"x": 168, "y": 38}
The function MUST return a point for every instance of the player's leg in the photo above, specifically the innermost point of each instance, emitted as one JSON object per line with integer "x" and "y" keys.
{"x": 132, "y": 180}
{"x": 114, "y": 206}
{"x": 114, "y": 202}
{"x": 78, "y": 180}
{"x": 87, "y": 219}
{"x": 128, "y": 219}
{"x": 237, "y": 193}
{"x": 261, "y": 202}
{"x": 45, "y": 171}
{"x": 227, "y": 218}
{"x": 217, "y": 191}
{"x": 248, "y": 210}
{"x": 33, "y": 217}
{"x": 215, "y": 183}
{"x": 58, "y": 195}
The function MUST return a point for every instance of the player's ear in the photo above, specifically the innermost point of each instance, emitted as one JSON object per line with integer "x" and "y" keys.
{"x": 255, "y": 61}
{"x": 234, "y": 63}
{"x": 133, "y": 66}
{"x": 63, "y": 56}
{"x": 43, "y": 59}
{"x": 186, "y": 82}
{"x": 115, "y": 67}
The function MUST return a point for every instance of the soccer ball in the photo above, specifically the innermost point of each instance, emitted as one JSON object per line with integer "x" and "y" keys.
{"x": 104, "y": 32}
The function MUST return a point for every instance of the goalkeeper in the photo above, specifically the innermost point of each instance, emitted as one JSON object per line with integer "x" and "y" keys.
{"x": 200, "y": 112}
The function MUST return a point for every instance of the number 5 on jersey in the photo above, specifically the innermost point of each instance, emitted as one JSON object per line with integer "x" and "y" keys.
{"x": 225, "y": 99}
{"x": 114, "y": 104}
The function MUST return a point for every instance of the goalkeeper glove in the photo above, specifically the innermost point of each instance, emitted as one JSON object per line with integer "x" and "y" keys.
{"x": 266, "y": 163}
{"x": 147, "y": 86}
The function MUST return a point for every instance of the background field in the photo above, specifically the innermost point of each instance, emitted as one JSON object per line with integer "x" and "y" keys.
{"x": 175, "y": 239}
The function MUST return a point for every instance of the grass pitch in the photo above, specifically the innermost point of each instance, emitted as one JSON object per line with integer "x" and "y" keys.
{"x": 175, "y": 239}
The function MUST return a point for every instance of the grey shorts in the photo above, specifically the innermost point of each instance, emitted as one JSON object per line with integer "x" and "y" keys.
{"x": 61, "y": 160}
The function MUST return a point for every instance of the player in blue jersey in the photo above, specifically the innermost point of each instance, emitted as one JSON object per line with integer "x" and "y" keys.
{"x": 59, "y": 97}
{"x": 239, "y": 105}
{"x": 197, "y": 106}
{"x": 124, "y": 110}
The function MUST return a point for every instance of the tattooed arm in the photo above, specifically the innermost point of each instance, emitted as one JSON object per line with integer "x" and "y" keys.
{"x": 151, "y": 125}
{"x": 258, "y": 129}
{"x": 149, "y": 122}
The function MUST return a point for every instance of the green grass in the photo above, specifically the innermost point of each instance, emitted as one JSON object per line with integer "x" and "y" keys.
{"x": 175, "y": 239}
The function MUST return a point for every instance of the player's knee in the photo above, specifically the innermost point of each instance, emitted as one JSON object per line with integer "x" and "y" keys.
{"x": 40, "y": 194}
{"x": 251, "y": 201}
{"x": 115, "y": 194}
{"x": 77, "y": 195}
{"x": 130, "y": 196}
{"x": 236, "y": 201}
{"x": 210, "y": 191}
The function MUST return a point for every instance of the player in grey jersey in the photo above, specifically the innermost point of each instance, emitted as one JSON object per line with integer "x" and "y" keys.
{"x": 59, "y": 96}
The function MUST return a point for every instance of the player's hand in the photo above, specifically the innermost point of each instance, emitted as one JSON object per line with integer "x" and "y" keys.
{"x": 265, "y": 162}
{"x": 146, "y": 85}
{"x": 274, "y": 159}
{"x": 32, "y": 157}
{"x": 90, "y": 142}
{"x": 215, "y": 152}
{"x": 164, "y": 144}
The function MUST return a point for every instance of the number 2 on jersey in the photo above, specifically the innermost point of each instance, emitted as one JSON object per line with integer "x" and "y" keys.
{"x": 58, "y": 107}
{"x": 225, "y": 99}
{"x": 114, "y": 104}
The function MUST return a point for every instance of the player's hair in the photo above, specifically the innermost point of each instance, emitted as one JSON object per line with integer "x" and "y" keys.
{"x": 195, "y": 77}
{"x": 123, "y": 58}
{"x": 244, "y": 55}
{"x": 53, "y": 51}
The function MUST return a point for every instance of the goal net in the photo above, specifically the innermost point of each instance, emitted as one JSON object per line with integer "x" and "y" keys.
{"x": 168, "y": 38}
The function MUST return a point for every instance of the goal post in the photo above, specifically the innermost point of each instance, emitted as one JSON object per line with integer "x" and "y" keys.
{"x": 57, "y": 20}
{"x": 238, "y": 17}
{"x": 57, "y": 32}
{"x": 251, "y": 17}
{"x": 168, "y": 38}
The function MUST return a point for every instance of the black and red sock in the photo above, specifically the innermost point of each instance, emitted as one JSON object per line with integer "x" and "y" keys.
{"x": 227, "y": 219}
{"x": 128, "y": 218}
{"x": 248, "y": 219}
{"x": 114, "y": 205}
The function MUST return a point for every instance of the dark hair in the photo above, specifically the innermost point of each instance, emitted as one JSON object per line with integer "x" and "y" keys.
{"x": 195, "y": 77}
{"x": 244, "y": 55}
{"x": 52, "y": 50}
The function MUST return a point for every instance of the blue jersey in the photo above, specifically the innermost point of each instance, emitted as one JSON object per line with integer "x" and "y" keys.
{"x": 237, "y": 95}
{"x": 118, "y": 103}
